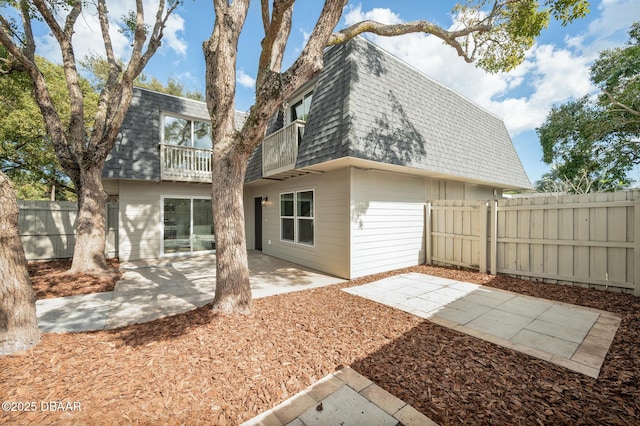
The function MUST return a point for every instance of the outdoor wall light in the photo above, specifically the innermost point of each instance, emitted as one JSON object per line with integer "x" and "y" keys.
{"x": 265, "y": 202}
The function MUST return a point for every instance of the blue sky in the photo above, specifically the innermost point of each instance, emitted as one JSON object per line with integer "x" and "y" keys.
{"x": 555, "y": 71}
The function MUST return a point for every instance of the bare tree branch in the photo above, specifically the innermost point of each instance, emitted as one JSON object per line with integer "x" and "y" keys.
{"x": 76, "y": 129}
{"x": 621, "y": 105}
{"x": 266, "y": 21}
{"x": 81, "y": 155}
{"x": 29, "y": 45}
{"x": 275, "y": 39}
{"x": 449, "y": 37}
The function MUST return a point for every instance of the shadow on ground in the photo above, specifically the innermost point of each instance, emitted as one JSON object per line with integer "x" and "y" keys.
{"x": 454, "y": 378}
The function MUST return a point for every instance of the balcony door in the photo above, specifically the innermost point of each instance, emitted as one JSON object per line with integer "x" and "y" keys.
{"x": 187, "y": 225}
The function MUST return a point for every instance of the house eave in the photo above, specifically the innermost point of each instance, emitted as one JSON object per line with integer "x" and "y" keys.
{"x": 414, "y": 171}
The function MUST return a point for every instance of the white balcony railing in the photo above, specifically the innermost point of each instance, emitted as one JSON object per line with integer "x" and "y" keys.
{"x": 187, "y": 164}
{"x": 280, "y": 149}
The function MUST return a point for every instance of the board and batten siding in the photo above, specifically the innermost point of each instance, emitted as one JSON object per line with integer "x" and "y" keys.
{"x": 387, "y": 221}
{"x": 330, "y": 253}
{"x": 140, "y": 228}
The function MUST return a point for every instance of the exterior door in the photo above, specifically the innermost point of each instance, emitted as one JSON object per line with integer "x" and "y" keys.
{"x": 257, "y": 202}
{"x": 187, "y": 225}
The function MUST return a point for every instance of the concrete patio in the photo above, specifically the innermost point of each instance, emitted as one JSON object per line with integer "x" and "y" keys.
{"x": 571, "y": 336}
{"x": 158, "y": 288}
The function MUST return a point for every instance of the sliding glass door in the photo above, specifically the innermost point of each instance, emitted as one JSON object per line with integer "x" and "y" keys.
{"x": 187, "y": 225}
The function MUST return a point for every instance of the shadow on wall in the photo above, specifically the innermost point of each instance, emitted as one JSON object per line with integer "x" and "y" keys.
{"x": 393, "y": 139}
{"x": 134, "y": 227}
{"x": 136, "y": 153}
{"x": 358, "y": 210}
{"x": 47, "y": 229}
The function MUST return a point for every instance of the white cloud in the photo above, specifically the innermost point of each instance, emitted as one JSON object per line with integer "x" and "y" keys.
{"x": 87, "y": 37}
{"x": 245, "y": 80}
{"x": 385, "y": 16}
{"x": 175, "y": 25}
{"x": 551, "y": 74}
{"x": 615, "y": 16}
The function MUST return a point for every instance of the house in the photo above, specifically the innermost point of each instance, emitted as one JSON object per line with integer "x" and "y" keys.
{"x": 340, "y": 182}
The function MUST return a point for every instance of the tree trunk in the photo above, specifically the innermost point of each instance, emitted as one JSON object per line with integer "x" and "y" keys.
{"x": 88, "y": 253}
{"x": 233, "y": 293}
{"x": 18, "y": 320}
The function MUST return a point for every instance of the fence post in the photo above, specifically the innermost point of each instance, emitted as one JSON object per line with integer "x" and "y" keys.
{"x": 427, "y": 230}
{"x": 636, "y": 248}
{"x": 482, "y": 218}
{"x": 494, "y": 237}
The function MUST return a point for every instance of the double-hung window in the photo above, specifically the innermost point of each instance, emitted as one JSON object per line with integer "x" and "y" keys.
{"x": 297, "y": 217}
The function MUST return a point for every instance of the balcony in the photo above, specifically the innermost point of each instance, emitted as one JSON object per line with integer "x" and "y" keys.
{"x": 280, "y": 149}
{"x": 185, "y": 164}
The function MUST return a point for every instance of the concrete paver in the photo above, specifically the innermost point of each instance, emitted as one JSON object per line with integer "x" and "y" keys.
{"x": 362, "y": 411}
{"x": 500, "y": 323}
{"x": 462, "y": 312}
{"x": 567, "y": 315}
{"x": 565, "y": 331}
{"x": 525, "y": 306}
{"x": 353, "y": 400}
{"x": 483, "y": 299}
{"x": 546, "y": 343}
{"x": 571, "y": 336}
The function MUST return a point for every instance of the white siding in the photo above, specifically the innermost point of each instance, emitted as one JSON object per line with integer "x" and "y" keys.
{"x": 387, "y": 221}
{"x": 139, "y": 222}
{"x": 331, "y": 251}
{"x": 475, "y": 192}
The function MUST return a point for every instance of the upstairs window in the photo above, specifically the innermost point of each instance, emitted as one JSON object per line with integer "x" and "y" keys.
{"x": 300, "y": 109}
{"x": 188, "y": 133}
{"x": 297, "y": 217}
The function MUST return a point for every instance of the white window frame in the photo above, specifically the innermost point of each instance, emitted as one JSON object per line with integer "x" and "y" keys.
{"x": 295, "y": 100}
{"x": 166, "y": 114}
{"x": 161, "y": 225}
{"x": 296, "y": 218}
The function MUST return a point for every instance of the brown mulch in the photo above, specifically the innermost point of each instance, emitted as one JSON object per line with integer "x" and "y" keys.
{"x": 205, "y": 368}
{"x": 50, "y": 279}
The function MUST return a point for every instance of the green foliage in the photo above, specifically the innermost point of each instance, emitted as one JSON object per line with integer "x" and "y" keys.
{"x": 597, "y": 139}
{"x": 567, "y": 11}
{"x": 173, "y": 87}
{"x": 129, "y": 26}
{"x": 26, "y": 154}
{"x": 617, "y": 73}
{"x": 515, "y": 26}
{"x": 98, "y": 69}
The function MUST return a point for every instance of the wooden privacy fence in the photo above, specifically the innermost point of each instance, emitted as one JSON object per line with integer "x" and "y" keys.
{"x": 590, "y": 239}
{"x": 47, "y": 229}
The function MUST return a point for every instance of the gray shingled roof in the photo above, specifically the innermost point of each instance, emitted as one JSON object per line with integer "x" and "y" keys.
{"x": 135, "y": 154}
{"x": 369, "y": 104}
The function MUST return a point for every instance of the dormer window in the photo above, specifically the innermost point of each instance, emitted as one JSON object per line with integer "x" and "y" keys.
{"x": 185, "y": 132}
{"x": 300, "y": 108}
